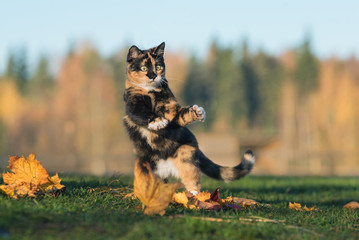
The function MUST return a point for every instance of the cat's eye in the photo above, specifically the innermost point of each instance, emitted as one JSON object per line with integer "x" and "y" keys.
{"x": 143, "y": 69}
{"x": 158, "y": 67}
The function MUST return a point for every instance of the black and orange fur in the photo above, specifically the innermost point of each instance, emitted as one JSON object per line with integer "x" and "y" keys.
{"x": 156, "y": 122}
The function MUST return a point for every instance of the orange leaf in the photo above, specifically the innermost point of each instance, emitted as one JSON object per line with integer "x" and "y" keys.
{"x": 244, "y": 202}
{"x": 309, "y": 209}
{"x": 203, "y": 196}
{"x": 180, "y": 198}
{"x": 54, "y": 186}
{"x": 295, "y": 206}
{"x": 352, "y": 205}
{"x": 151, "y": 191}
{"x": 27, "y": 178}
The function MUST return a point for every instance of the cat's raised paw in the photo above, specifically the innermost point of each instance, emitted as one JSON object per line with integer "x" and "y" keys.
{"x": 201, "y": 114}
{"x": 158, "y": 124}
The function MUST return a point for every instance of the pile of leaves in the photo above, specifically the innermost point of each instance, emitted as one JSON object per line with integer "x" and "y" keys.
{"x": 212, "y": 201}
{"x": 29, "y": 178}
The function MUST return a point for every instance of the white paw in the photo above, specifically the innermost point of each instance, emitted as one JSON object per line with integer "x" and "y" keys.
{"x": 158, "y": 124}
{"x": 249, "y": 156}
{"x": 201, "y": 114}
{"x": 194, "y": 193}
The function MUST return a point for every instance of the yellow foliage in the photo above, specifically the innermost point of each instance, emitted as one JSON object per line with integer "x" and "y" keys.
{"x": 28, "y": 178}
{"x": 10, "y": 102}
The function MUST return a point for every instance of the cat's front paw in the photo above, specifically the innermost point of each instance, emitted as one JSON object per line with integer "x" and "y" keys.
{"x": 158, "y": 124}
{"x": 200, "y": 113}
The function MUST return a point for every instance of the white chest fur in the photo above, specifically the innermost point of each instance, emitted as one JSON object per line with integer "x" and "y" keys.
{"x": 165, "y": 169}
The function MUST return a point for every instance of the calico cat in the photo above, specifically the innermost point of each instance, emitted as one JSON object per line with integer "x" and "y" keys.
{"x": 156, "y": 122}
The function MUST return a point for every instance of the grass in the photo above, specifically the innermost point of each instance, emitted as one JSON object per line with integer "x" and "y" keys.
{"x": 80, "y": 214}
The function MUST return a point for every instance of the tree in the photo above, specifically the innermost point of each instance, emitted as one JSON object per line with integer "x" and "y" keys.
{"x": 250, "y": 85}
{"x": 270, "y": 77}
{"x": 42, "y": 80}
{"x": 17, "y": 68}
{"x": 10, "y": 67}
{"x": 197, "y": 89}
{"x": 306, "y": 72}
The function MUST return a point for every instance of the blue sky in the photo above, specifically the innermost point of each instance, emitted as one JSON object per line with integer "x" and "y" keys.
{"x": 48, "y": 27}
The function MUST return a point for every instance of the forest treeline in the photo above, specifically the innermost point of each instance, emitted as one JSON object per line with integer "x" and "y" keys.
{"x": 307, "y": 104}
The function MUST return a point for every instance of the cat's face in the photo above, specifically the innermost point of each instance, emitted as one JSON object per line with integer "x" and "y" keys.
{"x": 146, "y": 68}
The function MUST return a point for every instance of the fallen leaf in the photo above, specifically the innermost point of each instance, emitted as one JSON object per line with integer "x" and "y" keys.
{"x": 244, "y": 202}
{"x": 54, "y": 186}
{"x": 203, "y": 196}
{"x": 309, "y": 209}
{"x": 215, "y": 195}
{"x": 208, "y": 205}
{"x": 180, "y": 198}
{"x": 151, "y": 191}
{"x": 28, "y": 178}
{"x": 295, "y": 206}
{"x": 351, "y": 205}
{"x": 205, "y": 200}
{"x": 298, "y": 207}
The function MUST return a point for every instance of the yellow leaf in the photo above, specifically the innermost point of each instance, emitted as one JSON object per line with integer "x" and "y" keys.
{"x": 180, "y": 198}
{"x": 203, "y": 196}
{"x": 244, "y": 202}
{"x": 54, "y": 184}
{"x": 27, "y": 177}
{"x": 352, "y": 205}
{"x": 295, "y": 206}
{"x": 309, "y": 209}
{"x": 151, "y": 191}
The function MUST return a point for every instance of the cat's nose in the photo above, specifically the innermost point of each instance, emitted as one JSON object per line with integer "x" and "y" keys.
{"x": 151, "y": 75}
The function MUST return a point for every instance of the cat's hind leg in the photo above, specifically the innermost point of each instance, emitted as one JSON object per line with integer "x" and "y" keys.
{"x": 187, "y": 166}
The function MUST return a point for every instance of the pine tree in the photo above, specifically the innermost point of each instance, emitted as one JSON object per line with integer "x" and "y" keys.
{"x": 306, "y": 72}
{"x": 10, "y": 67}
{"x": 17, "y": 69}
{"x": 270, "y": 77}
{"x": 42, "y": 79}
{"x": 250, "y": 87}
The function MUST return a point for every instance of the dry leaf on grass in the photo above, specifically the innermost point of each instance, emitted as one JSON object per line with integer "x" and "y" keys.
{"x": 298, "y": 207}
{"x": 29, "y": 178}
{"x": 244, "y": 202}
{"x": 212, "y": 201}
{"x": 352, "y": 205}
{"x": 151, "y": 191}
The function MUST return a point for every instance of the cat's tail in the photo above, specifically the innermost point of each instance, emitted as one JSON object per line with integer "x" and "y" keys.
{"x": 227, "y": 173}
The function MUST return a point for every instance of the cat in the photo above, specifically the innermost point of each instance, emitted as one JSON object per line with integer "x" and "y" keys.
{"x": 155, "y": 122}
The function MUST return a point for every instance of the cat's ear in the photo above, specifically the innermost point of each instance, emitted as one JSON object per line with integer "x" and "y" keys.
{"x": 159, "y": 50}
{"x": 133, "y": 52}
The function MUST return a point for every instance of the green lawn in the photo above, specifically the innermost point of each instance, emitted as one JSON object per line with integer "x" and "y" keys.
{"x": 80, "y": 214}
